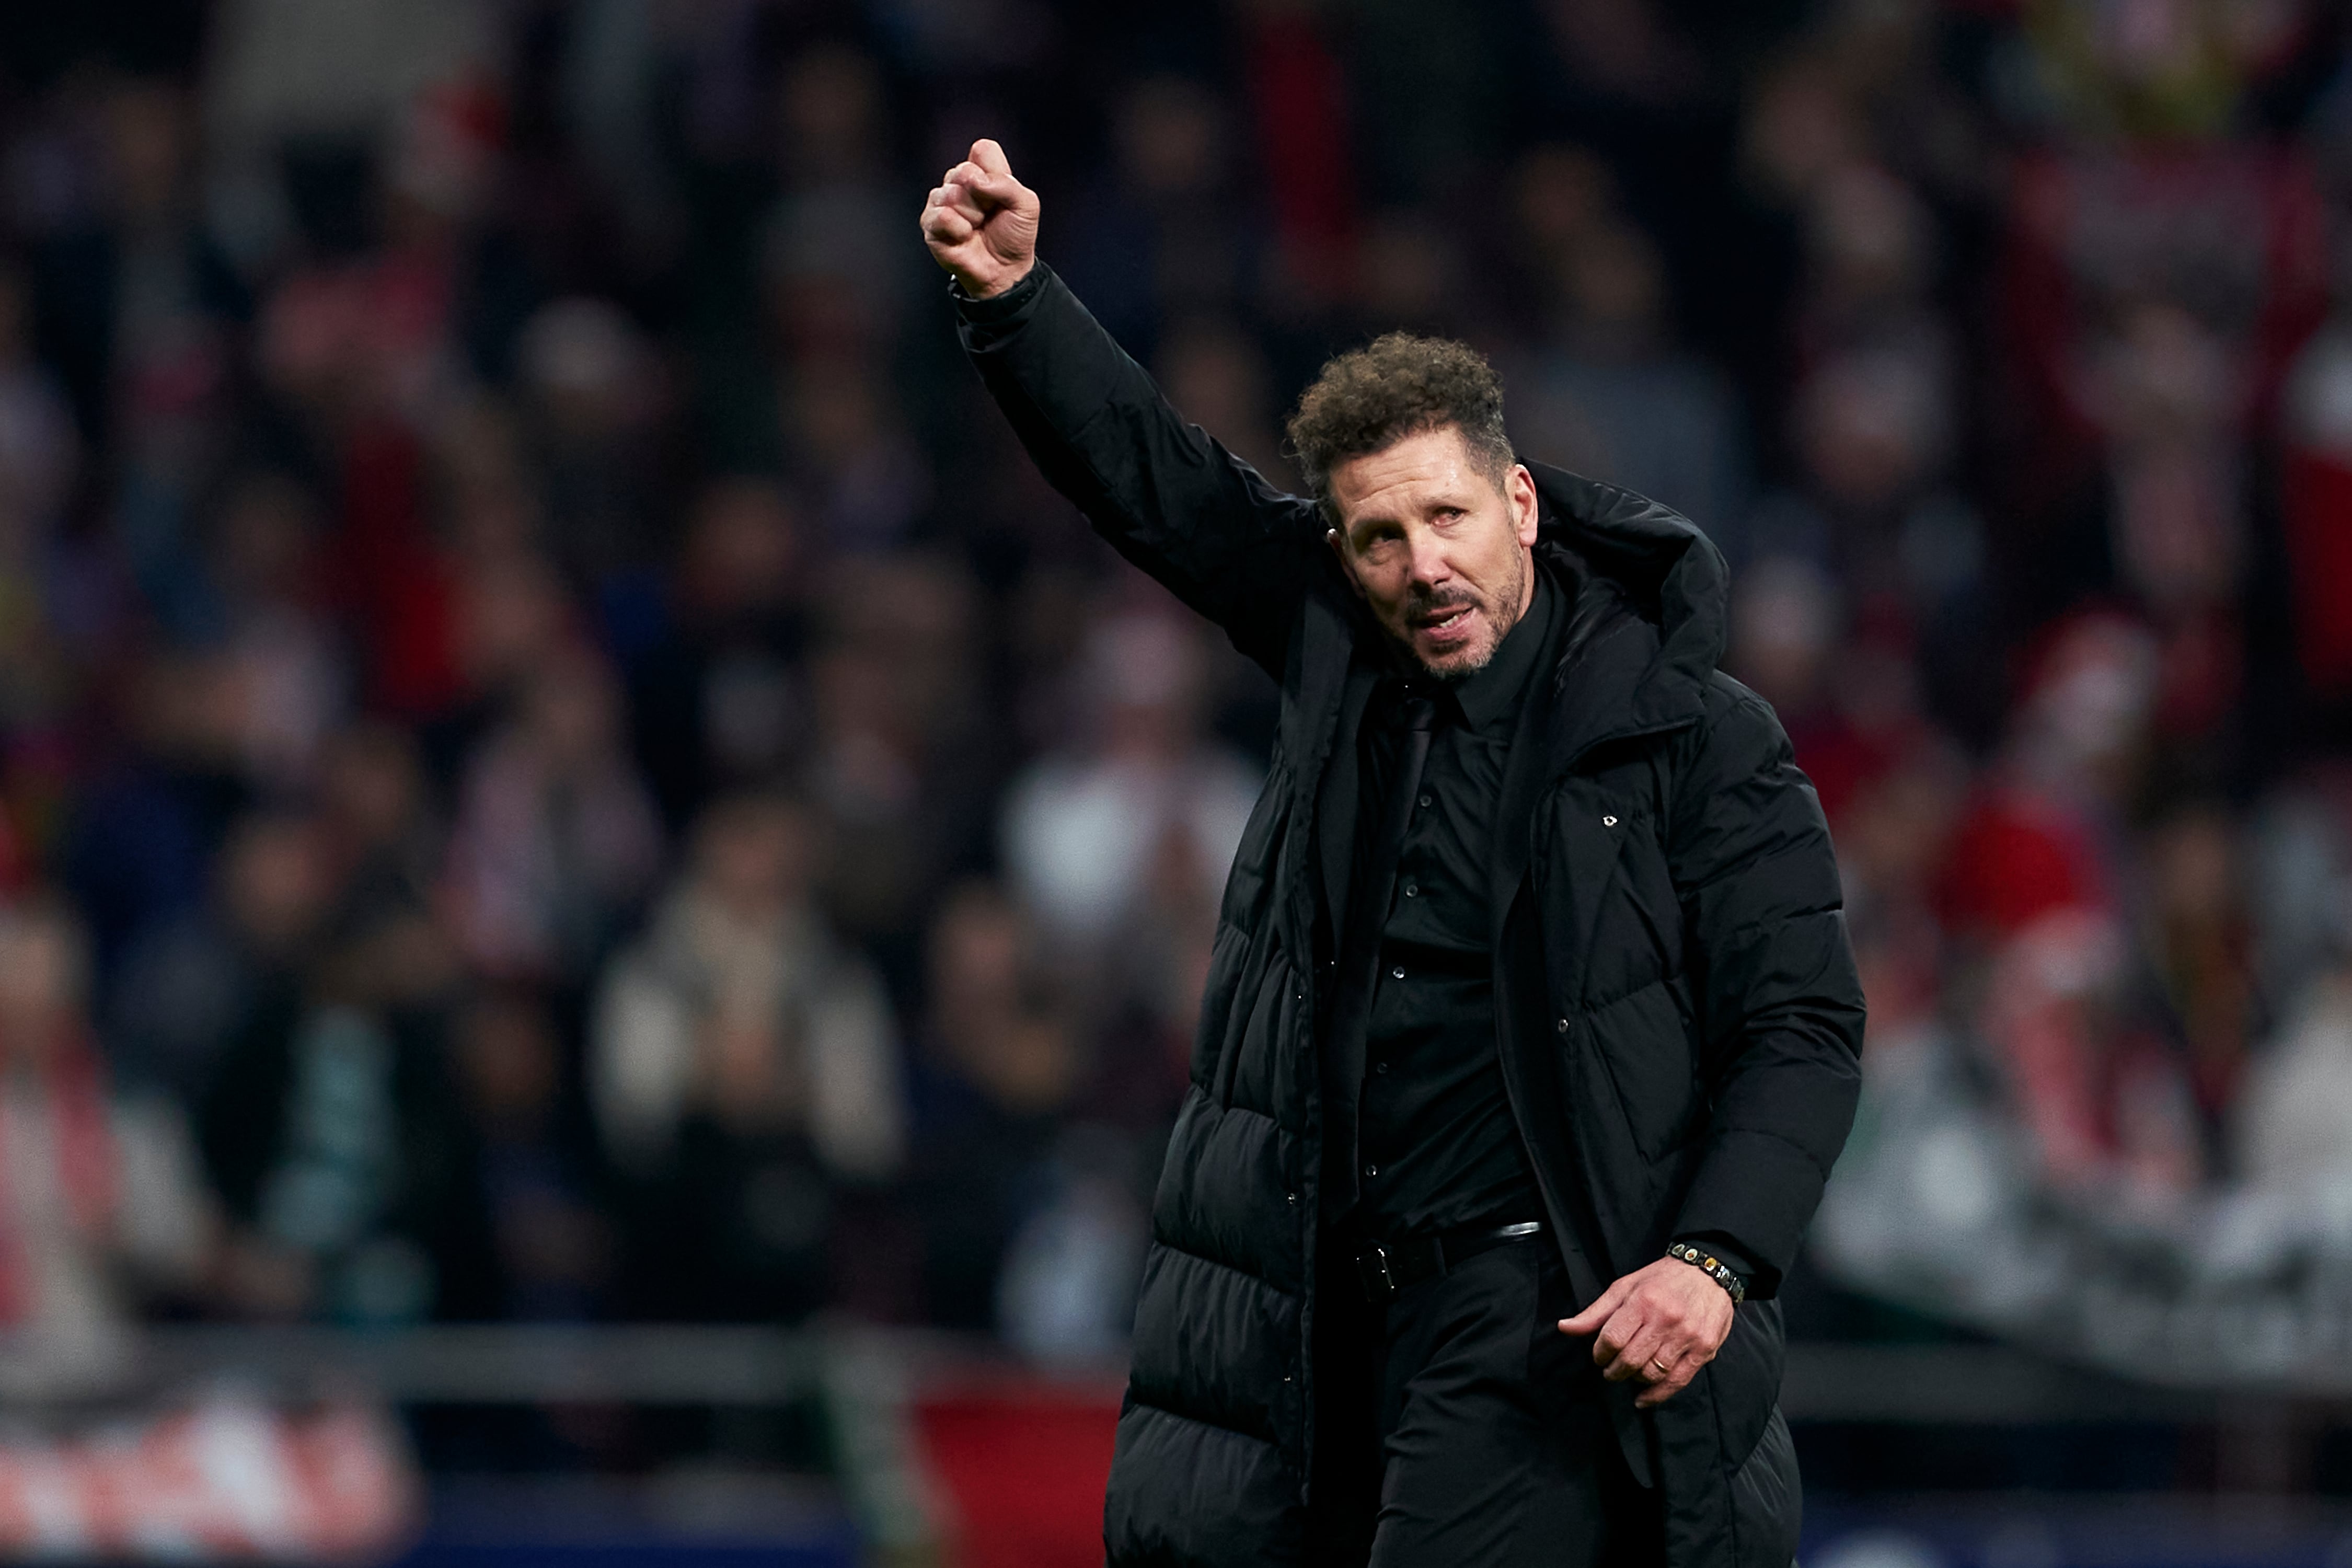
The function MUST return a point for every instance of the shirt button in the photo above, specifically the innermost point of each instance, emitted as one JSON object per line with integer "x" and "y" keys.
{"x": 1397, "y": 973}
{"x": 1371, "y": 1169}
{"x": 1424, "y": 800}
{"x": 1381, "y": 1068}
{"x": 1562, "y": 1026}
{"x": 1411, "y": 891}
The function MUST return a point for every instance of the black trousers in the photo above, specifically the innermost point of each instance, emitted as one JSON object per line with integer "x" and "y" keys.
{"x": 1456, "y": 1425}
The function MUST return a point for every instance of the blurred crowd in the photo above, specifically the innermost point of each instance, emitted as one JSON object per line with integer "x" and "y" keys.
{"x": 557, "y": 763}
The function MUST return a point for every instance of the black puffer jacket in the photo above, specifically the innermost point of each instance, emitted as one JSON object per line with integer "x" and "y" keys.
{"x": 1678, "y": 1011}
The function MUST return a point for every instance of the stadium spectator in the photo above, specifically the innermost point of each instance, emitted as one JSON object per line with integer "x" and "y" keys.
{"x": 555, "y": 838}
{"x": 717, "y": 683}
{"x": 102, "y": 1207}
{"x": 1082, "y": 826}
{"x": 195, "y": 983}
{"x": 539, "y": 1187}
{"x": 1001, "y": 1066}
{"x": 744, "y": 1067}
{"x": 333, "y": 1131}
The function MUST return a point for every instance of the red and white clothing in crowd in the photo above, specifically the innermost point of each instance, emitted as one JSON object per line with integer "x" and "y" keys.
{"x": 2031, "y": 882}
{"x": 97, "y": 1196}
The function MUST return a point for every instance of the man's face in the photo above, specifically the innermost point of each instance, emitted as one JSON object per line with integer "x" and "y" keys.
{"x": 1439, "y": 552}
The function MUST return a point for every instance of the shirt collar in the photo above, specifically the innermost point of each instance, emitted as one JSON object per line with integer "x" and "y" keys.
{"x": 1491, "y": 697}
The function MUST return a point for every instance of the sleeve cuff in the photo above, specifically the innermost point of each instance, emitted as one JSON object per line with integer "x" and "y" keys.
{"x": 1733, "y": 1255}
{"x": 999, "y": 309}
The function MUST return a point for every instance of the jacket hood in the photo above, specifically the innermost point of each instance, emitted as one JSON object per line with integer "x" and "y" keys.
{"x": 1672, "y": 576}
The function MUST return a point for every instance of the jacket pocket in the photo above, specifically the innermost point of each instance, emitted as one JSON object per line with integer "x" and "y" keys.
{"x": 1636, "y": 932}
{"x": 1643, "y": 1042}
{"x": 1768, "y": 1502}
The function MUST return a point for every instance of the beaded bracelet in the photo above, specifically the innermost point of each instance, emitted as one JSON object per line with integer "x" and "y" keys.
{"x": 1713, "y": 1268}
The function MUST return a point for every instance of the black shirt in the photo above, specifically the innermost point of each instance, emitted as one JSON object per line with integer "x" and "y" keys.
{"x": 1436, "y": 1147}
{"x": 1436, "y": 1142}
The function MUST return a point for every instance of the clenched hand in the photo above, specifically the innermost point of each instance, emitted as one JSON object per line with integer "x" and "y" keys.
{"x": 1660, "y": 1324}
{"x": 981, "y": 223}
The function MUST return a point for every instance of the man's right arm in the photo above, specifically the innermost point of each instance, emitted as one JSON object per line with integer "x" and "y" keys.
{"x": 1165, "y": 494}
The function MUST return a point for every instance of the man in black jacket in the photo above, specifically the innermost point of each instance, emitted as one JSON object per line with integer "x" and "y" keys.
{"x": 1530, "y": 1020}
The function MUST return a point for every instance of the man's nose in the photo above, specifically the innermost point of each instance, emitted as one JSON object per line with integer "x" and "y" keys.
{"x": 1430, "y": 567}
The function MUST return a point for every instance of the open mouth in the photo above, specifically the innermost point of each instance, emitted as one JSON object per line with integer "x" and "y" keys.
{"x": 1443, "y": 623}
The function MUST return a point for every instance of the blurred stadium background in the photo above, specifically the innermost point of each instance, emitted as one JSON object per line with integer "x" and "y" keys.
{"x": 601, "y": 895}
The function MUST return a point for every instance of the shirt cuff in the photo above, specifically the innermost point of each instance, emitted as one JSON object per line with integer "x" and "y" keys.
{"x": 998, "y": 310}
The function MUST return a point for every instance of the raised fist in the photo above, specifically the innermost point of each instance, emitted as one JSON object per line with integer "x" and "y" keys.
{"x": 981, "y": 223}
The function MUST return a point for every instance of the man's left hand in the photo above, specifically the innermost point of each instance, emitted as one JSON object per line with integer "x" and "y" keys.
{"x": 1660, "y": 1324}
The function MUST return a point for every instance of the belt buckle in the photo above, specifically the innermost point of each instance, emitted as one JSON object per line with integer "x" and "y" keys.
{"x": 1372, "y": 1270}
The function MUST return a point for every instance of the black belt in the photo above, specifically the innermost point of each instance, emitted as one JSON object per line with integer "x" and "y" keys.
{"x": 1386, "y": 1268}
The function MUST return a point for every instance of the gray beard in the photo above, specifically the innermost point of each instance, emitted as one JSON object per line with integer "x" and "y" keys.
{"x": 1519, "y": 595}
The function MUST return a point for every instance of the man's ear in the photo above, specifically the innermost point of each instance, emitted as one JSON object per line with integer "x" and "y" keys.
{"x": 1526, "y": 508}
{"x": 1339, "y": 543}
